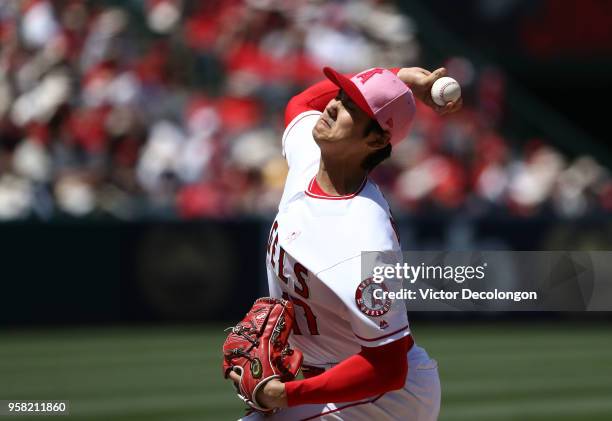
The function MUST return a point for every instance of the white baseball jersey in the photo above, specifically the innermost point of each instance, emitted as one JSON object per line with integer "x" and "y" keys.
{"x": 314, "y": 258}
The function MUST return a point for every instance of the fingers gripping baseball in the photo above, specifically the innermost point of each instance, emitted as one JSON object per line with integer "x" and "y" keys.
{"x": 421, "y": 82}
{"x": 435, "y": 75}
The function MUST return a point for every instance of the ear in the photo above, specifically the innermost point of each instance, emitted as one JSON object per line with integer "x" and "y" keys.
{"x": 378, "y": 140}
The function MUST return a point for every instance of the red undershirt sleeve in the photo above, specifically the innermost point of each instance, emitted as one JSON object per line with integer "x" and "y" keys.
{"x": 369, "y": 373}
{"x": 314, "y": 98}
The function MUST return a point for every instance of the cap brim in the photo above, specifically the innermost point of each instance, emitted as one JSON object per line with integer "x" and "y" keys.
{"x": 349, "y": 88}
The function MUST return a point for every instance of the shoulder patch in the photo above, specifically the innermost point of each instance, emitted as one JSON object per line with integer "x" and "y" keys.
{"x": 367, "y": 303}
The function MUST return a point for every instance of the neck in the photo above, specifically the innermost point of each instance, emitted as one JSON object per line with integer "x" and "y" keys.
{"x": 337, "y": 178}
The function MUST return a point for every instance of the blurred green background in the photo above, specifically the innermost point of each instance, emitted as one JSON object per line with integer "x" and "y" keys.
{"x": 489, "y": 371}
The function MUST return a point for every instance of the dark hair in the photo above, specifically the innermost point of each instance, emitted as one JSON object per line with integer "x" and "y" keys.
{"x": 375, "y": 158}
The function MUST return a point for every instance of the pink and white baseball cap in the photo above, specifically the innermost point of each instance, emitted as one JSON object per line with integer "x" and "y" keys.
{"x": 382, "y": 95}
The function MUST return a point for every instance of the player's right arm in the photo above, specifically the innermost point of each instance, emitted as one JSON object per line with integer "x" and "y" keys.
{"x": 420, "y": 81}
{"x": 314, "y": 98}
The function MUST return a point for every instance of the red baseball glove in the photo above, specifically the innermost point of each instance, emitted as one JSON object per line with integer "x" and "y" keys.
{"x": 258, "y": 349}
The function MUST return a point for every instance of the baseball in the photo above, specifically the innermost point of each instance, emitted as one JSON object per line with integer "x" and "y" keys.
{"x": 444, "y": 90}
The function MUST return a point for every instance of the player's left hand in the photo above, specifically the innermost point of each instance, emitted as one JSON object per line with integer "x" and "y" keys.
{"x": 257, "y": 355}
{"x": 420, "y": 81}
{"x": 272, "y": 395}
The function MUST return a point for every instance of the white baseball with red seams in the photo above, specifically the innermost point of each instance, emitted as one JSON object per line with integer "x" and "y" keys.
{"x": 444, "y": 90}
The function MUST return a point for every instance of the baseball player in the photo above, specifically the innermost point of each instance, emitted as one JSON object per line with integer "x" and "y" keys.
{"x": 360, "y": 359}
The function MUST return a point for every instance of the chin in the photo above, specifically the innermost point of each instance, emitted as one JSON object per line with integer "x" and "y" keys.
{"x": 322, "y": 134}
{"x": 317, "y": 135}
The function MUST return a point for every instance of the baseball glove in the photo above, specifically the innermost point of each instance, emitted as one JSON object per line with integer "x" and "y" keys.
{"x": 258, "y": 350}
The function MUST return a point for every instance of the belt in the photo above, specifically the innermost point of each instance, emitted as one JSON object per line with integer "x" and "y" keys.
{"x": 309, "y": 371}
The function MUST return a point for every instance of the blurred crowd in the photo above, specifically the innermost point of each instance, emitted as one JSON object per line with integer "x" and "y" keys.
{"x": 140, "y": 108}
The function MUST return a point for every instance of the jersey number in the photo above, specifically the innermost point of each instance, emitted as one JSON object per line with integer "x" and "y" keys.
{"x": 301, "y": 273}
{"x": 311, "y": 319}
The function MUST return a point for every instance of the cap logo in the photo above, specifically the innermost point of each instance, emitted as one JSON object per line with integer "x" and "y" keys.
{"x": 365, "y": 76}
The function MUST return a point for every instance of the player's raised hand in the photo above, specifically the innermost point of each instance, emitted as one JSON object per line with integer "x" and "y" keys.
{"x": 420, "y": 81}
